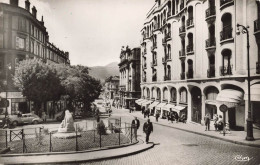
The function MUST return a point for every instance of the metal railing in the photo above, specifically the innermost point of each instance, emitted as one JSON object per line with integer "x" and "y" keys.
{"x": 189, "y": 74}
{"x": 226, "y": 33}
{"x": 190, "y": 48}
{"x": 182, "y": 53}
{"x": 43, "y": 140}
{"x": 257, "y": 25}
{"x": 182, "y": 29}
{"x": 210, "y": 12}
{"x": 211, "y": 42}
{"x": 225, "y": 70}
{"x": 190, "y": 22}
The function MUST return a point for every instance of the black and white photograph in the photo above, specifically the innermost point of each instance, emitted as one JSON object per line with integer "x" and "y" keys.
{"x": 130, "y": 82}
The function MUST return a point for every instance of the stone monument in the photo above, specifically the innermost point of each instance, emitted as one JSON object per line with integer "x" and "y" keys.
{"x": 66, "y": 128}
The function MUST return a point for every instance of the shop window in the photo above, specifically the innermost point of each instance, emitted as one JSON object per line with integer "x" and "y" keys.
{"x": 20, "y": 43}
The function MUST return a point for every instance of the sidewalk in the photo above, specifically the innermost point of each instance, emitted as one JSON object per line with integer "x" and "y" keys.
{"x": 237, "y": 137}
{"x": 72, "y": 157}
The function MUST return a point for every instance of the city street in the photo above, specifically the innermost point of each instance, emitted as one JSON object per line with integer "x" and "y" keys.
{"x": 179, "y": 147}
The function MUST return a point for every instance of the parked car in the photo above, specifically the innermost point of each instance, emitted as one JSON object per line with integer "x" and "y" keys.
{"x": 27, "y": 118}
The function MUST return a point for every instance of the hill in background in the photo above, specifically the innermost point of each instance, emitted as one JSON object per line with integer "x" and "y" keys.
{"x": 102, "y": 72}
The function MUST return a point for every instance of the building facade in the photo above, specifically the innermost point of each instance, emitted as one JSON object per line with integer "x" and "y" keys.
{"x": 129, "y": 69}
{"x": 22, "y": 36}
{"x": 112, "y": 88}
{"x": 193, "y": 61}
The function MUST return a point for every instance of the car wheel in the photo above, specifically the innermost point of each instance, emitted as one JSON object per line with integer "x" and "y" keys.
{"x": 35, "y": 122}
{"x": 15, "y": 123}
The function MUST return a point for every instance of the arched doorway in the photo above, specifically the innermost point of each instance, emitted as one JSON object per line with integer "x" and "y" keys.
{"x": 196, "y": 105}
{"x": 210, "y": 106}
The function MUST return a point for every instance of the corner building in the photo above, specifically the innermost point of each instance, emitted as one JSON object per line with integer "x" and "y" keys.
{"x": 193, "y": 61}
{"x": 129, "y": 83}
{"x": 22, "y": 36}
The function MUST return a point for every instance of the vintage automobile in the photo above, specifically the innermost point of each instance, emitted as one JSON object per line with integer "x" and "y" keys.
{"x": 27, "y": 118}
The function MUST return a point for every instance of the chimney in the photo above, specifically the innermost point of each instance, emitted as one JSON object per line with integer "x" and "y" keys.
{"x": 34, "y": 12}
{"x": 27, "y": 5}
{"x": 42, "y": 20}
{"x": 14, "y": 2}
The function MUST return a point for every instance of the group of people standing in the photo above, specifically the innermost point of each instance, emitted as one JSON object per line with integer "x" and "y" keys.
{"x": 147, "y": 128}
{"x": 218, "y": 122}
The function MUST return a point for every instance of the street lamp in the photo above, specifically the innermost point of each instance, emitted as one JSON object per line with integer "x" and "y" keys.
{"x": 249, "y": 120}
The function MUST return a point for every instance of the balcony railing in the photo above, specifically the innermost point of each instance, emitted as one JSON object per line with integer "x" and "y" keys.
{"x": 145, "y": 51}
{"x": 168, "y": 35}
{"x": 182, "y": 53}
{"x": 210, "y": 12}
{"x": 257, "y": 25}
{"x": 211, "y": 72}
{"x": 154, "y": 63}
{"x": 156, "y": 27}
{"x": 182, "y": 75}
{"x": 181, "y": 6}
{"x": 166, "y": 78}
{"x": 163, "y": 60}
{"x": 190, "y": 22}
{"x": 168, "y": 14}
{"x": 225, "y": 70}
{"x": 182, "y": 29}
{"x": 189, "y": 74}
{"x": 190, "y": 48}
{"x": 223, "y": 2}
{"x": 211, "y": 42}
{"x": 226, "y": 33}
{"x": 257, "y": 68}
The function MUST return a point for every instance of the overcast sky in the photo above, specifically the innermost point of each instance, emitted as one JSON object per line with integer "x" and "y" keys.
{"x": 93, "y": 31}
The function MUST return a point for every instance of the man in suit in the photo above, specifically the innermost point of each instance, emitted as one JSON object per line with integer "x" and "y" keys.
{"x": 135, "y": 126}
{"x": 147, "y": 129}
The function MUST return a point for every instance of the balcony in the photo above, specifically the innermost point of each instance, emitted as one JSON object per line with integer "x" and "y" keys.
{"x": 166, "y": 78}
{"x": 257, "y": 26}
{"x": 226, "y": 33}
{"x": 123, "y": 61}
{"x": 168, "y": 14}
{"x": 189, "y": 74}
{"x": 181, "y": 6}
{"x": 145, "y": 51}
{"x": 168, "y": 36}
{"x": 154, "y": 63}
{"x": 182, "y": 75}
{"x": 190, "y": 49}
{"x": 211, "y": 13}
{"x": 225, "y": 3}
{"x": 211, "y": 71}
{"x": 257, "y": 68}
{"x": 182, "y": 53}
{"x": 211, "y": 43}
{"x": 190, "y": 22}
{"x": 156, "y": 27}
{"x": 225, "y": 70}
{"x": 182, "y": 30}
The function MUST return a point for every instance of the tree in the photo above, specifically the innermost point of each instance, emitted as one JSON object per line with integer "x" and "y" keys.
{"x": 37, "y": 81}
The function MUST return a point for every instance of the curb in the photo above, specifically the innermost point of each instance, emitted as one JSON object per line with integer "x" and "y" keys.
{"x": 99, "y": 158}
{"x": 211, "y": 136}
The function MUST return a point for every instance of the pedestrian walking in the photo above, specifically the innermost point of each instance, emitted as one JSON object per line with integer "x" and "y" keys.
{"x": 176, "y": 117}
{"x": 207, "y": 122}
{"x": 215, "y": 119}
{"x": 147, "y": 129}
{"x": 135, "y": 126}
{"x": 157, "y": 115}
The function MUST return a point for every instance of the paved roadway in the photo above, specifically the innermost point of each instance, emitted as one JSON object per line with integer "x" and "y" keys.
{"x": 179, "y": 147}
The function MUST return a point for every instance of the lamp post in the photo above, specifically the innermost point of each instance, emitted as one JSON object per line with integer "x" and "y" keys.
{"x": 249, "y": 120}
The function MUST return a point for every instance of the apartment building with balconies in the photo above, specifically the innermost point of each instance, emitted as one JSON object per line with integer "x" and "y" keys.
{"x": 22, "y": 36}
{"x": 198, "y": 62}
{"x": 129, "y": 68}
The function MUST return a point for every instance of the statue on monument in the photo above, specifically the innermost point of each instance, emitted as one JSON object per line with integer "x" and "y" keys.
{"x": 67, "y": 124}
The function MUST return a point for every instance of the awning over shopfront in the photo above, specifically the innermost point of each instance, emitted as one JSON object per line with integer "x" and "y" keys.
{"x": 178, "y": 108}
{"x": 153, "y": 104}
{"x": 146, "y": 103}
{"x": 167, "y": 107}
{"x": 229, "y": 97}
{"x": 139, "y": 100}
{"x": 159, "y": 106}
{"x": 254, "y": 92}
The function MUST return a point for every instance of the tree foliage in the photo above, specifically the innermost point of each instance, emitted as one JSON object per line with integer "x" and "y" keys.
{"x": 41, "y": 82}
